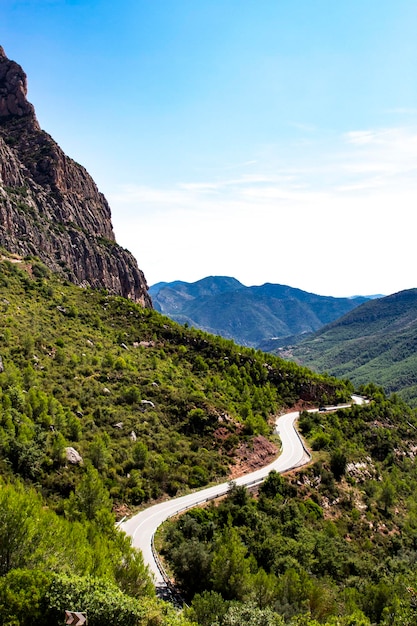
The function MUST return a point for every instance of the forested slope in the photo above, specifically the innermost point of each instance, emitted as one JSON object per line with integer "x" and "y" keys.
{"x": 334, "y": 543}
{"x": 375, "y": 342}
{"x": 105, "y": 405}
{"x": 153, "y": 406}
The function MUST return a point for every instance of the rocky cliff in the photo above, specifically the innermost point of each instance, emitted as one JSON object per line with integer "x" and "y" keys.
{"x": 50, "y": 206}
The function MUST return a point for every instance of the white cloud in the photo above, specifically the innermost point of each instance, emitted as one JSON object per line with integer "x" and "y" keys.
{"x": 363, "y": 137}
{"x": 336, "y": 222}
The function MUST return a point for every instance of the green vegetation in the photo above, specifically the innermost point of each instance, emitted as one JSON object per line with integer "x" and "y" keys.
{"x": 49, "y": 564}
{"x": 154, "y": 407}
{"x": 375, "y": 342}
{"x": 151, "y": 407}
{"x": 333, "y": 544}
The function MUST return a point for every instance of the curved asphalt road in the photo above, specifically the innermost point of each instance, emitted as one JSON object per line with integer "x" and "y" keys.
{"x": 142, "y": 527}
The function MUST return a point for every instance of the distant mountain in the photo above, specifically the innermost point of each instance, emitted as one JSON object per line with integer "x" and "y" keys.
{"x": 263, "y": 317}
{"x": 375, "y": 342}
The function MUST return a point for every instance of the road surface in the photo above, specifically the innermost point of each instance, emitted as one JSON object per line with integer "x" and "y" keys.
{"x": 142, "y": 526}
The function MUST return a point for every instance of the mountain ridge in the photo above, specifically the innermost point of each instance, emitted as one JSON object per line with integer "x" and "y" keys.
{"x": 257, "y": 316}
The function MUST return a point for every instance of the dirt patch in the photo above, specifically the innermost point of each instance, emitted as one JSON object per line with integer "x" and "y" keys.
{"x": 121, "y": 511}
{"x": 252, "y": 456}
{"x": 259, "y": 452}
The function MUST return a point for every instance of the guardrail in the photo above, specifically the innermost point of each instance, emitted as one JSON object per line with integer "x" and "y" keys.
{"x": 176, "y": 597}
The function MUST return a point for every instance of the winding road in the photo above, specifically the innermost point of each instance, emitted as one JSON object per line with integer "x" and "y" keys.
{"x": 142, "y": 526}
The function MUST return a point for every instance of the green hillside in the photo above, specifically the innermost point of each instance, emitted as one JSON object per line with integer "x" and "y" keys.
{"x": 155, "y": 407}
{"x": 151, "y": 407}
{"x": 333, "y": 544}
{"x": 375, "y": 342}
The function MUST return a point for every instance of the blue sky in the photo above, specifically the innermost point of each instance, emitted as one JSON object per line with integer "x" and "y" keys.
{"x": 269, "y": 140}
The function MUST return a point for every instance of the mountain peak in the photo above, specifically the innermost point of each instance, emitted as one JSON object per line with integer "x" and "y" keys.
{"x": 13, "y": 90}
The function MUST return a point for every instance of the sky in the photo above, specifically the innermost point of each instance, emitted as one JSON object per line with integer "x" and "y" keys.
{"x": 267, "y": 140}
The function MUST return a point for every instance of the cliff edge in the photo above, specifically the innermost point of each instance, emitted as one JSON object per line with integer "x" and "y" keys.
{"x": 50, "y": 206}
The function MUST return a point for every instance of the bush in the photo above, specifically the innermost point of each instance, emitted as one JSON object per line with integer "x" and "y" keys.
{"x": 102, "y": 601}
{"x": 22, "y": 597}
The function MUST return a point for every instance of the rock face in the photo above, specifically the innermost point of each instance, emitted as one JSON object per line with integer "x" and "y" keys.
{"x": 50, "y": 206}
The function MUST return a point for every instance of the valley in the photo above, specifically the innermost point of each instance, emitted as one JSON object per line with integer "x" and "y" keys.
{"x": 121, "y": 404}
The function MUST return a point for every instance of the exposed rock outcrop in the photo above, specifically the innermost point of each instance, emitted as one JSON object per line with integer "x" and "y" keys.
{"x": 50, "y": 206}
{"x": 73, "y": 456}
